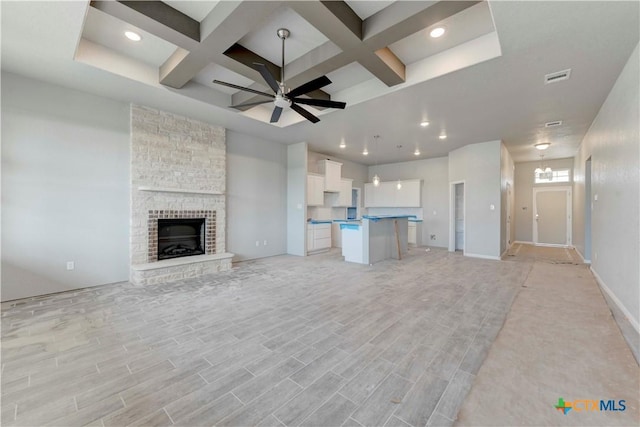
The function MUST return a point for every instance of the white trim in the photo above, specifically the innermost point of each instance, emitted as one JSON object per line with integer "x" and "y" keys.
{"x": 509, "y": 218}
{"x": 179, "y": 190}
{"x": 452, "y": 215}
{"x": 569, "y": 207}
{"x": 552, "y": 245}
{"x": 522, "y": 242}
{"x": 586, "y": 261}
{"x": 492, "y": 257}
{"x": 614, "y": 298}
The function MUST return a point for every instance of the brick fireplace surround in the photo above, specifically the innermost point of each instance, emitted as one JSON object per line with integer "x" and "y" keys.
{"x": 177, "y": 171}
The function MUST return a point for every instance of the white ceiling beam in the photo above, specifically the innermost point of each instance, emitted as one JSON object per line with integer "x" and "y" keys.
{"x": 340, "y": 24}
{"x": 393, "y": 23}
{"x": 155, "y": 18}
{"x": 227, "y": 23}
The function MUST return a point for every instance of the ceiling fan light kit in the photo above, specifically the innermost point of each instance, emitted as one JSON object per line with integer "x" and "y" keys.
{"x": 283, "y": 98}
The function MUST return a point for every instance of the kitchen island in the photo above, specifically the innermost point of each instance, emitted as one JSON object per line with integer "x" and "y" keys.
{"x": 374, "y": 238}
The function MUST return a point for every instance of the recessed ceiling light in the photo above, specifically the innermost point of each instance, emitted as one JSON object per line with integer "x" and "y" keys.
{"x": 437, "y": 32}
{"x": 542, "y": 145}
{"x": 342, "y": 144}
{"x": 443, "y": 136}
{"x": 416, "y": 153}
{"x": 365, "y": 152}
{"x": 424, "y": 124}
{"x": 132, "y": 36}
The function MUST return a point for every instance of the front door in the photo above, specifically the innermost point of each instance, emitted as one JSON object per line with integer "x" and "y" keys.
{"x": 552, "y": 221}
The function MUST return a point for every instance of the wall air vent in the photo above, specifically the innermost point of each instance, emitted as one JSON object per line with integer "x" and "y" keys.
{"x": 557, "y": 76}
{"x": 553, "y": 124}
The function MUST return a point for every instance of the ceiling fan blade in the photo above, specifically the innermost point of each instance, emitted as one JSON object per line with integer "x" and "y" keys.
{"x": 250, "y": 104}
{"x": 310, "y": 86}
{"x": 304, "y": 113}
{"x": 267, "y": 76}
{"x": 275, "y": 116}
{"x": 320, "y": 103}
{"x": 246, "y": 89}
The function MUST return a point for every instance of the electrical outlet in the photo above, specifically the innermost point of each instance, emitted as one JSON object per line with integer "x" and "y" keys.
{"x": 257, "y": 242}
{"x": 264, "y": 243}
{"x": 433, "y": 236}
{"x": 70, "y": 265}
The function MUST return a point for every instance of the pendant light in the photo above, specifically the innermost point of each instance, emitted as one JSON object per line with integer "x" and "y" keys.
{"x": 376, "y": 178}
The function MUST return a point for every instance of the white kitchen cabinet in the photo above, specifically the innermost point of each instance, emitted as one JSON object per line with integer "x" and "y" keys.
{"x": 318, "y": 237}
{"x": 343, "y": 198}
{"x": 309, "y": 237}
{"x": 336, "y": 235}
{"x": 370, "y": 196}
{"x": 408, "y": 196}
{"x": 315, "y": 190}
{"x": 415, "y": 233}
{"x": 332, "y": 172}
{"x": 388, "y": 195}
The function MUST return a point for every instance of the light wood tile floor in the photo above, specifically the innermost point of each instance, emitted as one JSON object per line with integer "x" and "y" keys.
{"x": 281, "y": 341}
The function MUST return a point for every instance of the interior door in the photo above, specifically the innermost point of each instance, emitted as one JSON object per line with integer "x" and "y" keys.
{"x": 551, "y": 217}
{"x": 508, "y": 214}
{"x": 459, "y": 215}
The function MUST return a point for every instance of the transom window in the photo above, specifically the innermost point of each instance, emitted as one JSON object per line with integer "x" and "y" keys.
{"x": 557, "y": 175}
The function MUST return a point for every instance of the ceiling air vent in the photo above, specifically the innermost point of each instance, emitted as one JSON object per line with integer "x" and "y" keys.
{"x": 557, "y": 76}
{"x": 553, "y": 124}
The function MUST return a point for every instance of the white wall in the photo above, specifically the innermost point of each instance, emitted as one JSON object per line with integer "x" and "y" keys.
{"x": 256, "y": 196}
{"x": 435, "y": 194}
{"x": 297, "y": 199}
{"x": 524, "y": 185}
{"x": 478, "y": 165}
{"x": 506, "y": 180}
{"x": 613, "y": 143}
{"x": 65, "y": 188}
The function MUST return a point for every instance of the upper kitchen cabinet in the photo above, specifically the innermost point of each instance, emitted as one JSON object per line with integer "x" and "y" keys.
{"x": 388, "y": 195}
{"x": 315, "y": 190}
{"x": 343, "y": 197}
{"x": 332, "y": 172}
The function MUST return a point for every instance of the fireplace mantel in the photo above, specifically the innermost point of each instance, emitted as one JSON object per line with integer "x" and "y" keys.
{"x": 178, "y": 190}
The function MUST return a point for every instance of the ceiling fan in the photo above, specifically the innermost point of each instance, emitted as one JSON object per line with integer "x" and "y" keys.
{"x": 285, "y": 97}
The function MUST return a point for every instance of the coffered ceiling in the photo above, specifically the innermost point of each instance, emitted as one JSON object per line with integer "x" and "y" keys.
{"x": 482, "y": 80}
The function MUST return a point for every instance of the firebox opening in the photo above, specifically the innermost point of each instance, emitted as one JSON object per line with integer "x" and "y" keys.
{"x": 180, "y": 237}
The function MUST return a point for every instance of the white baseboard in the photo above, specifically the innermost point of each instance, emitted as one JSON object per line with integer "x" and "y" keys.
{"x": 617, "y": 302}
{"x": 522, "y": 242}
{"x": 552, "y": 245}
{"x": 495, "y": 258}
{"x": 586, "y": 261}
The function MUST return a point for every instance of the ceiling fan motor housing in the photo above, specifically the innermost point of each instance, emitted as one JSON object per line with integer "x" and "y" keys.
{"x": 281, "y": 101}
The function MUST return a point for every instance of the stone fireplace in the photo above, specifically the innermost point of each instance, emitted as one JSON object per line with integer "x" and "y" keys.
{"x": 177, "y": 173}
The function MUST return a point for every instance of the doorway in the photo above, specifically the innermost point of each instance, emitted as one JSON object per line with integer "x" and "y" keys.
{"x": 509, "y": 204}
{"x": 456, "y": 228}
{"x": 588, "y": 207}
{"x": 552, "y": 216}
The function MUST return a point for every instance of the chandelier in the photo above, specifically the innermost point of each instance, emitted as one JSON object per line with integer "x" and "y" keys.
{"x": 543, "y": 172}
